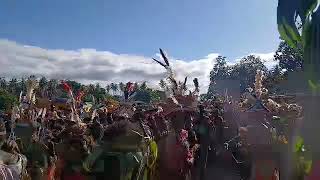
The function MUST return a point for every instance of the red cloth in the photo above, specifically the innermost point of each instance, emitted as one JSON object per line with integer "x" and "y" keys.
{"x": 66, "y": 86}
{"x": 51, "y": 172}
{"x": 79, "y": 96}
{"x": 130, "y": 87}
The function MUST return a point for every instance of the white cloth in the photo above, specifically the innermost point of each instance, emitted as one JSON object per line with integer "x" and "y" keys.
{"x": 13, "y": 171}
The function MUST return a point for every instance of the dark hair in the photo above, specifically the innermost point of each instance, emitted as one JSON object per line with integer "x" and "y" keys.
{"x": 115, "y": 129}
{"x": 97, "y": 131}
{"x": 86, "y": 120}
{"x": 10, "y": 147}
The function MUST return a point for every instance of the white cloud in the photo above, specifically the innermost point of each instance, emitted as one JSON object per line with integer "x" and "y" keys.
{"x": 91, "y": 66}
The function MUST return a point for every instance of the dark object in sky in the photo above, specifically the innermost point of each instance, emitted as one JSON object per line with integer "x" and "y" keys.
{"x": 164, "y": 57}
{"x": 196, "y": 83}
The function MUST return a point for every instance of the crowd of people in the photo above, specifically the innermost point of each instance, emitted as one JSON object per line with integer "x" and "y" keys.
{"x": 110, "y": 140}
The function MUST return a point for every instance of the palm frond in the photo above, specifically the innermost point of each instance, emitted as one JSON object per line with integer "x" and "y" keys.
{"x": 185, "y": 82}
{"x": 196, "y": 83}
{"x": 159, "y": 62}
{"x": 164, "y": 57}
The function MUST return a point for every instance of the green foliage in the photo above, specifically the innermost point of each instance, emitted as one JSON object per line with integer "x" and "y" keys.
{"x": 302, "y": 158}
{"x": 143, "y": 95}
{"x": 299, "y": 145}
{"x": 244, "y": 71}
{"x": 143, "y": 86}
{"x": 289, "y": 58}
{"x": 315, "y": 87}
{"x": 288, "y": 12}
{"x": 273, "y": 78}
{"x": 162, "y": 84}
{"x": 7, "y": 100}
{"x": 204, "y": 97}
{"x": 155, "y": 95}
{"x": 308, "y": 36}
{"x": 220, "y": 69}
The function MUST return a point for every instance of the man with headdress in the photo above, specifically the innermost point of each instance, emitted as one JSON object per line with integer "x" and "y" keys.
{"x": 15, "y": 163}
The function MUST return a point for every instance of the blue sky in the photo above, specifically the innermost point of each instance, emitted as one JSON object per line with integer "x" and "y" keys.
{"x": 187, "y": 29}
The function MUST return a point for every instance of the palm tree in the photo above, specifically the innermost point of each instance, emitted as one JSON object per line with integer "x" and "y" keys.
{"x": 13, "y": 86}
{"x": 3, "y": 83}
{"x": 99, "y": 93}
{"x": 21, "y": 86}
{"x": 121, "y": 87}
{"x": 43, "y": 83}
{"x": 91, "y": 89}
{"x": 114, "y": 88}
{"x": 162, "y": 84}
{"x": 143, "y": 86}
{"x": 52, "y": 88}
{"x": 108, "y": 87}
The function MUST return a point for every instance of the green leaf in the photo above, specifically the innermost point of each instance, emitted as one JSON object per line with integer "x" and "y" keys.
{"x": 154, "y": 152}
{"x": 307, "y": 7}
{"x": 284, "y": 35}
{"x": 312, "y": 85}
{"x": 307, "y": 166}
{"x": 299, "y": 145}
{"x": 293, "y": 32}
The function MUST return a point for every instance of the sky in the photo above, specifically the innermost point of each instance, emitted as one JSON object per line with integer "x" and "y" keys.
{"x": 114, "y": 40}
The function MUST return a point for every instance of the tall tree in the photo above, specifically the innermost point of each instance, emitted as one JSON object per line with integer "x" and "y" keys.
{"x": 53, "y": 88}
{"x": 162, "y": 84}
{"x": 108, "y": 88}
{"x": 121, "y": 87}
{"x": 91, "y": 89}
{"x": 245, "y": 71}
{"x": 7, "y": 100}
{"x": 13, "y": 86}
{"x": 290, "y": 59}
{"x": 42, "y": 90}
{"x": 99, "y": 93}
{"x": 143, "y": 86}
{"x": 114, "y": 88}
{"x": 3, "y": 83}
{"x": 273, "y": 78}
{"x": 220, "y": 71}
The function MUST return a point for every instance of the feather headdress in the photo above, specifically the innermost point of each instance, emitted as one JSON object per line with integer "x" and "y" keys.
{"x": 258, "y": 83}
{"x": 176, "y": 90}
{"x": 31, "y": 85}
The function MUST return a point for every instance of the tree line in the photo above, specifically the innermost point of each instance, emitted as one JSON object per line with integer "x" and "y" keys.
{"x": 52, "y": 88}
{"x": 244, "y": 71}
